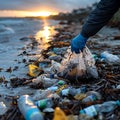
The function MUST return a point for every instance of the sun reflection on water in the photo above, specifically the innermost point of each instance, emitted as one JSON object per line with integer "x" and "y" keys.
{"x": 44, "y": 36}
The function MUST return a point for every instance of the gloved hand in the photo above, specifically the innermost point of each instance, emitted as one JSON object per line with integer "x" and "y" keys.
{"x": 78, "y": 43}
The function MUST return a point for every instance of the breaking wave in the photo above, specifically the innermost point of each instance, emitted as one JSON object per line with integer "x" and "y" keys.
{"x": 6, "y": 30}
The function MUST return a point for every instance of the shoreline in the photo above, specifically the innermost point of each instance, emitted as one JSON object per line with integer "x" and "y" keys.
{"x": 61, "y": 39}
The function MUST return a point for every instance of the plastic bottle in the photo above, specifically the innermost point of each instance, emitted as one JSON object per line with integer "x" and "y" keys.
{"x": 91, "y": 96}
{"x": 65, "y": 92}
{"x": 53, "y": 88}
{"x": 110, "y": 57}
{"x": 118, "y": 87}
{"x": 47, "y": 82}
{"x": 41, "y": 94}
{"x": 59, "y": 114}
{"x": 44, "y": 103}
{"x": 73, "y": 91}
{"x": 28, "y": 109}
{"x": 58, "y": 91}
{"x": 56, "y": 85}
{"x": 100, "y": 108}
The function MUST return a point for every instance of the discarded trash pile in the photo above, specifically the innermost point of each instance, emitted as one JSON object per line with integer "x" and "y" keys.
{"x": 73, "y": 87}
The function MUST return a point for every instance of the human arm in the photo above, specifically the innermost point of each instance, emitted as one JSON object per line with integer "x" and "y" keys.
{"x": 95, "y": 21}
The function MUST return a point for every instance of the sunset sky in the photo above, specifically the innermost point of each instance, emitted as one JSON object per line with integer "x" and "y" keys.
{"x": 21, "y": 8}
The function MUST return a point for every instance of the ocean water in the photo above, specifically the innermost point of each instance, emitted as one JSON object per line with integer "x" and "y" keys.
{"x": 11, "y": 31}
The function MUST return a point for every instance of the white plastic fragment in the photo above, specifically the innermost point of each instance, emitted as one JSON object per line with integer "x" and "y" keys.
{"x": 3, "y": 108}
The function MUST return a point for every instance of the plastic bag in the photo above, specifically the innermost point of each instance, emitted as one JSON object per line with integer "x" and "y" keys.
{"x": 90, "y": 64}
{"x": 77, "y": 66}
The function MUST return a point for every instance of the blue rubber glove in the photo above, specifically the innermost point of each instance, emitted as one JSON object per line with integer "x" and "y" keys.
{"x": 78, "y": 43}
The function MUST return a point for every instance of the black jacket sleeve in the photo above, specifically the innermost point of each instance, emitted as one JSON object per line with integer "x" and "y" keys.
{"x": 99, "y": 17}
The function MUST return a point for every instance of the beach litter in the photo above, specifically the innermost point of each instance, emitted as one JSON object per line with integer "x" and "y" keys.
{"x": 77, "y": 87}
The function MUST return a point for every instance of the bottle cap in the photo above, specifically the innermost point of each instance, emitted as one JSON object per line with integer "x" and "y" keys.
{"x": 82, "y": 112}
{"x": 61, "y": 82}
{"x": 51, "y": 76}
{"x": 84, "y": 89}
{"x": 118, "y": 102}
{"x": 94, "y": 97}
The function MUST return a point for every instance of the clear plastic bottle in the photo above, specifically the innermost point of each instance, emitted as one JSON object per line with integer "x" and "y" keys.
{"x": 47, "y": 82}
{"x": 56, "y": 85}
{"x": 91, "y": 96}
{"x": 110, "y": 57}
{"x": 100, "y": 108}
{"x": 65, "y": 92}
{"x": 52, "y": 88}
{"x": 44, "y": 103}
{"x": 41, "y": 94}
{"x": 28, "y": 109}
{"x": 118, "y": 87}
{"x": 73, "y": 91}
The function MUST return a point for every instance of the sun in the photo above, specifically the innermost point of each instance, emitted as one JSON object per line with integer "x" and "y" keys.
{"x": 43, "y": 14}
